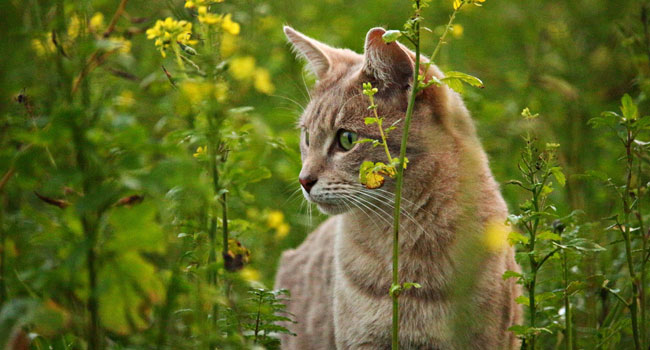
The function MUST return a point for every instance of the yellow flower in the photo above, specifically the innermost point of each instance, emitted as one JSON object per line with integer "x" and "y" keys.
{"x": 167, "y": 31}
{"x": 242, "y": 68}
{"x": 229, "y": 25}
{"x": 459, "y": 3}
{"x": 193, "y": 3}
{"x": 457, "y": 30}
{"x": 44, "y": 46}
{"x": 73, "y": 27}
{"x": 228, "y": 45}
{"x": 196, "y": 92}
{"x": 221, "y": 91}
{"x": 374, "y": 180}
{"x": 263, "y": 82}
{"x": 281, "y": 231}
{"x": 495, "y": 236}
{"x": 206, "y": 17}
{"x": 96, "y": 23}
{"x": 275, "y": 219}
{"x": 125, "y": 99}
{"x": 120, "y": 44}
{"x": 250, "y": 274}
{"x": 200, "y": 151}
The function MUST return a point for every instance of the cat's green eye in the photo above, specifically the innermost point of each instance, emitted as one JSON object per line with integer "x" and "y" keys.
{"x": 347, "y": 139}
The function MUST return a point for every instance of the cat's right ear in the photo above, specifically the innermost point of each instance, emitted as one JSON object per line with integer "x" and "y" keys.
{"x": 318, "y": 55}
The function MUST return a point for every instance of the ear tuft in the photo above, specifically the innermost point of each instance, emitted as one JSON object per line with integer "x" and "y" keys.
{"x": 315, "y": 52}
{"x": 387, "y": 62}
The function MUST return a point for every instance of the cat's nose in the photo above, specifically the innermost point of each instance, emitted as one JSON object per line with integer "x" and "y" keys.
{"x": 307, "y": 182}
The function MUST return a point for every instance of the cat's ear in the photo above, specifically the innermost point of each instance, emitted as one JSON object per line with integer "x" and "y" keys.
{"x": 319, "y": 56}
{"x": 386, "y": 62}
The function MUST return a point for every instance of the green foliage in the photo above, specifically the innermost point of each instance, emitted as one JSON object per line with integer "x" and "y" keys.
{"x": 108, "y": 150}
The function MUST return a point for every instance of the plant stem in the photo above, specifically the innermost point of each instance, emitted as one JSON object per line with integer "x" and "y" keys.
{"x": 633, "y": 305}
{"x": 257, "y": 320}
{"x": 442, "y": 37}
{"x": 3, "y": 254}
{"x": 400, "y": 179}
{"x": 567, "y": 305}
{"x": 381, "y": 128}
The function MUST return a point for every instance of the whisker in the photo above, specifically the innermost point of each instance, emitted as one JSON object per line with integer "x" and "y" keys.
{"x": 402, "y": 210}
{"x": 302, "y": 108}
{"x": 361, "y": 202}
{"x": 305, "y": 84}
{"x": 350, "y": 197}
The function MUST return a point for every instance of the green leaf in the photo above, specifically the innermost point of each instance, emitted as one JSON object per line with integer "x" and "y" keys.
{"x": 370, "y": 120}
{"x": 575, "y": 286}
{"x": 559, "y": 175}
{"x": 364, "y": 141}
{"x": 516, "y": 237}
{"x": 522, "y": 300}
{"x": 391, "y": 35}
{"x": 629, "y": 108}
{"x": 455, "y": 79}
{"x": 409, "y": 285}
{"x": 365, "y": 168}
{"x": 548, "y": 236}
{"x": 395, "y": 290}
{"x": 581, "y": 245}
{"x": 511, "y": 274}
{"x": 518, "y": 329}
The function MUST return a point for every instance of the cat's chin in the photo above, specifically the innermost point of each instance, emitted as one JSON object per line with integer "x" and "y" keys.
{"x": 331, "y": 209}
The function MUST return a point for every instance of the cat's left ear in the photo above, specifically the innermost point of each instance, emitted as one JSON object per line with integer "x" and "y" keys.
{"x": 387, "y": 62}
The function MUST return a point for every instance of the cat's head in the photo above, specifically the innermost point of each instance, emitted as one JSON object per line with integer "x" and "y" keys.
{"x": 334, "y": 119}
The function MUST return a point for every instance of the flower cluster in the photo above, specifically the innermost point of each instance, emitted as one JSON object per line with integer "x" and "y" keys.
{"x": 459, "y": 3}
{"x": 170, "y": 30}
{"x": 95, "y": 26}
{"x": 208, "y": 18}
{"x": 244, "y": 69}
{"x": 276, "y": 221}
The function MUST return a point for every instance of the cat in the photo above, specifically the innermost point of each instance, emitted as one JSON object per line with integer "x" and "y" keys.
{"x": 339, "y": 277}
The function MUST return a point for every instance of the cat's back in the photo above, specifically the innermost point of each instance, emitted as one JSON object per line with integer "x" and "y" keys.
{"x": 307, "y": 272}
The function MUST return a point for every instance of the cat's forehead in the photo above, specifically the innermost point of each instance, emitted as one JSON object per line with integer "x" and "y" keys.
{"x": 336, "y": 104}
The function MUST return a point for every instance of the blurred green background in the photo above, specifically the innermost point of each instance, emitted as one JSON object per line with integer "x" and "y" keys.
{"x": 567, "y": 61}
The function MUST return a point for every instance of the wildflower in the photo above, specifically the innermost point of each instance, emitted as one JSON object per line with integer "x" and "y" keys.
{"x": 44, "y": 46}
{"x": 228, "y": 45}
{"x": 242, "y": 68}
{"x": 495, "y": 236}
{"x": 190, "y": 4}
{"x": 275, "y": 219}
{"x": 125, "y": 99}
{"x": 195, "y": 91}
{"x": 206, "y": 17}
{"x": 457, "y": 30}
{"x": 120, "y": 44}
{"x": 250, "y": 274}
{"x": 221, "y": 91}
{"x": 281, "y": 231}
{"x": 73, "y": 27}
{"x": 200, "y": 151}
{"x": 263, "y": 82}
{"x": 167, "y": 31}
{"x": 459, "y": 3}
{"x": 229, "y": 25}
{"x": 96, "y": 23}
